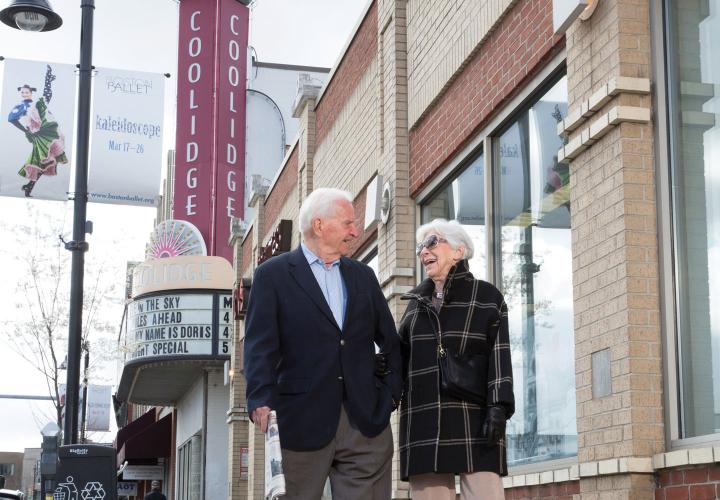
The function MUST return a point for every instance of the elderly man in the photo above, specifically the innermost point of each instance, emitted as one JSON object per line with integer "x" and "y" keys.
{"x": 313, "y": 319}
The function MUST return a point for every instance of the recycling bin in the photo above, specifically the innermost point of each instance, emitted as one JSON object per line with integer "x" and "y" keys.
{"x": 86, "y": 472}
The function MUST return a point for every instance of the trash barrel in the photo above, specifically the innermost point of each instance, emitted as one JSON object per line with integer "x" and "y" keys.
{"x": 86, "y": 472}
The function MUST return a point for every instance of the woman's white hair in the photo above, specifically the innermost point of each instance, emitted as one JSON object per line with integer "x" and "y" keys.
{"x": 321, "y": 203}
{"x": 452, "y": 231}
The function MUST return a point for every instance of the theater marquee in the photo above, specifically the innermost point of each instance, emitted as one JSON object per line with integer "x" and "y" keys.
{"x": 180, "y": 324}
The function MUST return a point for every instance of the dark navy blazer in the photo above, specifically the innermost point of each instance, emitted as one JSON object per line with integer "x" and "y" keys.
{"x": 298, "y": 362}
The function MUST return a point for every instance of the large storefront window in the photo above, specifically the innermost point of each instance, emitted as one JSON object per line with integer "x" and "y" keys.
{"x": 534, "y": 208}
{"x": 693, "y": 40}
{"x": 534, "y": 269}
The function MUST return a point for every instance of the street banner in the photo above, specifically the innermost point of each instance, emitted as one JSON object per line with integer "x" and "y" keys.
{"x": 126, "y": 139}
{"x": 37, "y": 107}
{"x": 98, "y": 409}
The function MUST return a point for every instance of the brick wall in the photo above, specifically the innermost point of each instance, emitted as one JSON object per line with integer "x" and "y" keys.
{"x": 615, "y": 254}
{"x": 697, "y": 483}
{"x": 517, "y": 48}
{"x": 554, "y": 491}
{"x": 348, "y": 155}
{"x": 366, "y": 236}
{"x": 284, "y": 188}
{"x": 247, "y": 255}
{"x": 441, "y": 36}
{"x": 357, "y": 58}
{"x": 615, "y": 270}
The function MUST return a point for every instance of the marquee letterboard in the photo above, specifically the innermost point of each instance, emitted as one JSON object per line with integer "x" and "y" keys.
{"x": 180, "y": 324}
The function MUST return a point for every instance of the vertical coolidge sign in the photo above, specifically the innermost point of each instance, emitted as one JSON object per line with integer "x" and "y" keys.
{"x": 210, "y": 147}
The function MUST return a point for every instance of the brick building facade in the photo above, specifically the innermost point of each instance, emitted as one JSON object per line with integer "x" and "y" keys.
{"x": 581, "y": 163}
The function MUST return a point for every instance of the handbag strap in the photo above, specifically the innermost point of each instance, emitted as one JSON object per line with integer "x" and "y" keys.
{"x": 440, "y": 349}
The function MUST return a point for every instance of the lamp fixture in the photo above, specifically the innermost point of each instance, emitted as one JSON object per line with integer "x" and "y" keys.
{"x": 30, "y": 15}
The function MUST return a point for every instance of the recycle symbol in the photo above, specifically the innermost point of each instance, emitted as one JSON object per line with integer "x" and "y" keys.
{"x": 93, "y": 491}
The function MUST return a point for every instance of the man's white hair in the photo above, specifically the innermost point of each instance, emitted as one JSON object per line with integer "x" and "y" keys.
{"x": 321, "y": 203}
{"x": 452, "y": 231}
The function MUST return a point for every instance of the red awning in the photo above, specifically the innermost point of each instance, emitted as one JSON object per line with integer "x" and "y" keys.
{"x": 153, "y": 441}
{"x": 139, "y": 424}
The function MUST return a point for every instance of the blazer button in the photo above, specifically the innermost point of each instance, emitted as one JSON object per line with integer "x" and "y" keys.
{"x": 340, "y": 378}
{"x": 342, "y": 342}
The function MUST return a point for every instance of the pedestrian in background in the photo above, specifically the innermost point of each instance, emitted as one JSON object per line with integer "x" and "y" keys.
{"x": 313, "y": 319}
{"x": 155, "y": 493}
{"x": 452, "y": 314}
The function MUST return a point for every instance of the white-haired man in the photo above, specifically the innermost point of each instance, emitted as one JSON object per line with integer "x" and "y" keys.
{"x": 314, "y": 317}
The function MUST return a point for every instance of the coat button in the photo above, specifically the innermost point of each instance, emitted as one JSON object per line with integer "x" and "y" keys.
{"x": 342, "y": 342}
{"x": 340, "y": 378}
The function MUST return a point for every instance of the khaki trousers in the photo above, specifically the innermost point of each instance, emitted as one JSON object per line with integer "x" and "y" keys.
{"x": 475, "y": 486}
{"x": 359, "y": 467}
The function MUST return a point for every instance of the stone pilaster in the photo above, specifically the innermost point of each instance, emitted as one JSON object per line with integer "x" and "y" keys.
{"x": 396, "y": 258}
{"x": 615, "y": 249}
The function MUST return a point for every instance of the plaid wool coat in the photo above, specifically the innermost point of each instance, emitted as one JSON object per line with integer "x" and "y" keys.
{"x": 439, "y": 433}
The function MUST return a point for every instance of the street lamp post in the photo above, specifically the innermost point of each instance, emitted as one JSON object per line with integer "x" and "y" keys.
{"x": 37, "y": 15}
{"x": 78, "y": 246}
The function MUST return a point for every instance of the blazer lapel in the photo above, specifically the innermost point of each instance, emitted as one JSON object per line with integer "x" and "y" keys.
{"x": 350, "y": 280}
{"x": 303, "y": 275}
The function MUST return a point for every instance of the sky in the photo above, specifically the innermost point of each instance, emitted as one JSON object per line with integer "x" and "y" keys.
{"x": 136, "y": 35}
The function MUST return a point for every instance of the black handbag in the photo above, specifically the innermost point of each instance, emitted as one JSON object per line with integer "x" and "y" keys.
{"x": 462, "y": 376}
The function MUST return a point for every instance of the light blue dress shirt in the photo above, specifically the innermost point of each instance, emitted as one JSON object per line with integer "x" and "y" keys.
{"x": 331, "y": 283}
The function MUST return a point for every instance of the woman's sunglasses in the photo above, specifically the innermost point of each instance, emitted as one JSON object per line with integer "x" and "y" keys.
{"x": 429, "y": 243}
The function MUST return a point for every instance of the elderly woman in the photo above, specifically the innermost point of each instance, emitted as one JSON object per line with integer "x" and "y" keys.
{"x": 452, "y": 314}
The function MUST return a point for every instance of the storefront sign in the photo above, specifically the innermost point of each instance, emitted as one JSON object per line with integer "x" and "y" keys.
{"x": 232, "y": 42}
{"x": 180, "y": 324}
{"x": 195, "y": 115}
{"x": 177, "y": 273}
{"x": 210, "y": 160}
{"x": 278, "y": 243}
{"x": 126, "y": 489}
{"x": 143, "y": 472}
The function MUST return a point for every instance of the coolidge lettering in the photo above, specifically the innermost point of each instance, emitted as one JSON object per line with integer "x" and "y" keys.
{"x": 210, "y": 161}
{"x": 194, "y": 72}
{"x": 232, "y": 48}
{"x": 195, "y": 156}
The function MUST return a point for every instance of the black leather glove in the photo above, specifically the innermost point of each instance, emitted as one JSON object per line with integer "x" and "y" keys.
{"x": 495, "y": 424}
{"x": 381, "y": 365}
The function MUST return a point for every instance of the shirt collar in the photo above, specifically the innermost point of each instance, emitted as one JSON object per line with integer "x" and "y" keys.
{"x": 312, "y": 258}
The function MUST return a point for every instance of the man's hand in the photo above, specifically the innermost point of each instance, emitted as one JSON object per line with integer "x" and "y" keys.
{"x": 260, "y": 417}
{"x": 495, "y": 424}
{"x": 381, "y": 365}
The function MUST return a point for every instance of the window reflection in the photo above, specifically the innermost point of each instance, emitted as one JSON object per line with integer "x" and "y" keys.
{"x": 463, "y": 199}
{"x": 694, "y": 80}
{"x": 537, "y": 281}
